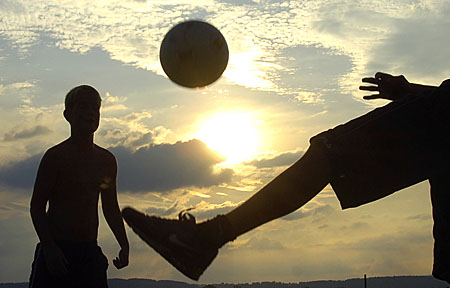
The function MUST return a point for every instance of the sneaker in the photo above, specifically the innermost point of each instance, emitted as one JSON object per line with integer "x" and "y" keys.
{"x": 175, "y": 240}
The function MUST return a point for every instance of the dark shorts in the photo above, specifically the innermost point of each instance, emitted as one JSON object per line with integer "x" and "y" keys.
{"x": 389, "y": 148}
{"x": 87, "y": 267}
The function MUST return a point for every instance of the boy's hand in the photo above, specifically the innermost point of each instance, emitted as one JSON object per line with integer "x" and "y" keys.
{"x": 122, "y": 260}
{"x": 55, "y": 259}
{"x": 389, "y": 87}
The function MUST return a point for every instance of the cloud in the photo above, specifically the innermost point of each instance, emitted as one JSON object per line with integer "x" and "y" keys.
{"x": 16, "y": 247}
{"x": 355, "y": 226}
{"x": 163, "y": 211}
{"x": 20, "y": 174}
{"x": 11, "y": 6}
{"x": 26, "y": 133}
{"x": 420, "y": 217}
{"x": 166, "y": 167}
{"x": 113, "y": 103}
{"x": 416, "y": 48}
{"x": 257, "y": 243}
{"x": 160, "y": 168}
{"x": 283, "y": 159}
{"x": 388, "y": 252}
{"x": 303, "y": 48}
{"x": 206, "y": 210}
{"x": 319, "y": 210}
{"x": 133, "y": 36}
{"x": 201, "y": 211}
{"x": 16, "y": 94}
{"x": 130, "y": 130}
{"x": 142, "y": 140}
{"x": 358, "y": 35}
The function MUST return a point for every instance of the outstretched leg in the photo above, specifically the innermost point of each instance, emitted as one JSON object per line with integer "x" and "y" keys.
{"x": 191, "y": 247}
{"x": 289, "y": 191}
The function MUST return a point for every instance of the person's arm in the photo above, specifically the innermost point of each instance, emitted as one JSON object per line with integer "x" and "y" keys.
{"x": 112, "y": 213}
{"x": 45, "y": 181}
{"x": 393, "y": 87}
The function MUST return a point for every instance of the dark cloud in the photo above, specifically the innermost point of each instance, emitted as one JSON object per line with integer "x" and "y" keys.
{"x": 284, "y": 159}
{"x": 169, "y": 166}
{"x": 20, "y": 174}
{"x": 26, "y": 133}
{"x": 142, "y": 140}
{"x": 155, "y": 168}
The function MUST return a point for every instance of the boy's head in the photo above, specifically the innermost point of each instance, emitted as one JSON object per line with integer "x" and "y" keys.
{"x": 82, "y": 109}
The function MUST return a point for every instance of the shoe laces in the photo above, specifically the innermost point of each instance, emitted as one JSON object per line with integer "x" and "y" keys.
{"x": 185, "y": 216}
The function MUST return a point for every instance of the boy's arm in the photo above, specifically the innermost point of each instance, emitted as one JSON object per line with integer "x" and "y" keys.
{"x": 45, "y": 181}
{"x": 112, "y": 214}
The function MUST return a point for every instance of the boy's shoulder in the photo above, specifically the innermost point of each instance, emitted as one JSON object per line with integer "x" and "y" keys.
{"x": 57, "y": 150}
{"x": 62, "y": 149}
{"x": 105, "y": 154}
{"x": 103, "y": 151}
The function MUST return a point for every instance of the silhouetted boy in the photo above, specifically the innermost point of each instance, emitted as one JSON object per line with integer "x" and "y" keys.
{"x": 370, "y": 157}
{"x": 71, "y": 177}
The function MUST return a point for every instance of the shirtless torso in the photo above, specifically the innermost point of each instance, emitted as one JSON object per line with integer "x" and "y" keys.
{"x": 73, "y": 201}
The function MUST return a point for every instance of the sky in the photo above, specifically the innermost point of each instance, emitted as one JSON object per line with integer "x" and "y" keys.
{"x": 294, "y": 70}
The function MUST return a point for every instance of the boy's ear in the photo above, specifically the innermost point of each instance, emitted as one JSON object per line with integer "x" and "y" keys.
{"x": 66, "y": 115}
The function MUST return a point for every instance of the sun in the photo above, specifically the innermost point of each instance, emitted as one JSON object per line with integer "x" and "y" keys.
{"x": 232, "y": 134}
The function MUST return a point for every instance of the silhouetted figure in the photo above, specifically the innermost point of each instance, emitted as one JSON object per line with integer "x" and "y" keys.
{"x": 71, "y": 177}
{"x": 370, "y": 157}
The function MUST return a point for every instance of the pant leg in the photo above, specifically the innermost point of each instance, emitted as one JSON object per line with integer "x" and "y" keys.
{"x": 95, "y": 268}
{"x": 389, "y": 148}
{"x": 40, "y": 277}
{"x": 440, "y": 185}
{"x": 381, "y": 152}
{"x": 440, "y": 199}
{"x": 88, "y": 265}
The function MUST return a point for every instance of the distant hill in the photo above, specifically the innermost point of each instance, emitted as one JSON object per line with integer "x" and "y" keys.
{"x": 376, "y": 282}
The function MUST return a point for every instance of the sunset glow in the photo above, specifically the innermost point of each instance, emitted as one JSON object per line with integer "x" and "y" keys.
{"x": 233, "y": 134}
{"x": 294, "y": 70}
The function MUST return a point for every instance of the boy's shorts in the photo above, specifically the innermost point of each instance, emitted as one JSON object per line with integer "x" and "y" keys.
{"x": 86, "y": 267}
{"x": 388, "y": 149}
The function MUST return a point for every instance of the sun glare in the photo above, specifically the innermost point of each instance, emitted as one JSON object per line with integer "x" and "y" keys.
{"x": 232, "y": 134}
{"x": 245, "y": 68}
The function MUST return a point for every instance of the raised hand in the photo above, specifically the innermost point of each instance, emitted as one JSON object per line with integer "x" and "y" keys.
{"x": 388, "y": 86}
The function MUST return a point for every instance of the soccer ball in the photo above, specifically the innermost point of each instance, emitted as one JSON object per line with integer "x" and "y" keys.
{"x": 194, "y": 54}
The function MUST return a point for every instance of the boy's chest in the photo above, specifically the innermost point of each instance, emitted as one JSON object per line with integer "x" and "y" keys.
{"x": 82, "y": 173}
